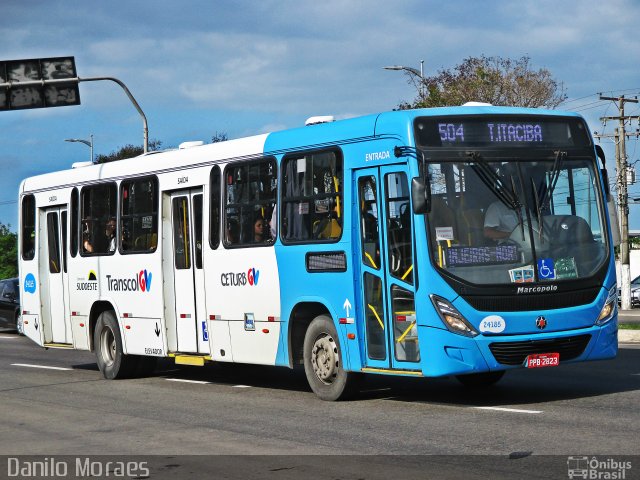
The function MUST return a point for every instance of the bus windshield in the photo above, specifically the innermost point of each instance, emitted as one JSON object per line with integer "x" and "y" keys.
{"x": 504, "y": 221}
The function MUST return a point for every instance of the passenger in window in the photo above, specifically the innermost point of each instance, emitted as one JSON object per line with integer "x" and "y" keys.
{"x": 110, "y": 232}
{"x": 261, "y": 231}
{"x": 86, "y": 244}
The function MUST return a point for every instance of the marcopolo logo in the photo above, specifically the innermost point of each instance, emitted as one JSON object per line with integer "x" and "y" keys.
{"x": 539, "y": 289}
{"x": 240, "y": 279}
{"x": 30, "y": 283}
{"x": 138, "y": 283}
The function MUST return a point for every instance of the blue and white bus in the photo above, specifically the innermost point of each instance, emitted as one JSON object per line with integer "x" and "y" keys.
{"x": 462, "y": 241}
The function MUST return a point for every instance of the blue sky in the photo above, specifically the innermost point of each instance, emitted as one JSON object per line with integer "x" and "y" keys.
{"x": 246, "y": 67}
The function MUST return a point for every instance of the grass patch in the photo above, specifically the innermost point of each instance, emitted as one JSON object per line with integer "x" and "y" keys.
{"x": 629, "y": 326}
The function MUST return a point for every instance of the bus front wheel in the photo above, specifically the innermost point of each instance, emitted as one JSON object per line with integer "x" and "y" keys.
{"x": 112, "y": 361}
{"x": 323, "y": 364}
{"x": 480, "y": 380}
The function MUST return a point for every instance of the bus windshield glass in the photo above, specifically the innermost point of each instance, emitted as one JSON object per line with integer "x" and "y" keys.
{"x": 497, "y": 222}
{"x": 500, "y": 221}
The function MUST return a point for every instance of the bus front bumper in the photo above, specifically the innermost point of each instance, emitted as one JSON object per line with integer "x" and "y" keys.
{"x": 445, "y": 353}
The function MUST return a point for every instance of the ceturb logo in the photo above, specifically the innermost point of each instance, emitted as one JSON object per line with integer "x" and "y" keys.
{"x": 240, "y": 279}
{"x": 253, "y": 276}
{"x": 138, "y": 283}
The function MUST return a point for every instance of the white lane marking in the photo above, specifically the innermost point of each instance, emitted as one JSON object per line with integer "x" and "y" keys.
{"x": 241, "y": 386}
{"x": 39, "y": 366}
{"x": 7, "y": 337}
{"x": 183, "y": 380}
{"x": 513, "y": 410}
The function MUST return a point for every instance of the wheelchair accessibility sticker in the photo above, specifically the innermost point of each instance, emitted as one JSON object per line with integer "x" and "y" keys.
{"x": 546, "y": 269}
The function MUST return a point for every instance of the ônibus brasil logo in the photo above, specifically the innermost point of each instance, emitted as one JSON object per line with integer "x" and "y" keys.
{"x": 140, "y": 282}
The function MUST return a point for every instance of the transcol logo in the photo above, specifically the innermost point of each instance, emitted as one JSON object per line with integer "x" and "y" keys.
{"x": 140, "y": 282}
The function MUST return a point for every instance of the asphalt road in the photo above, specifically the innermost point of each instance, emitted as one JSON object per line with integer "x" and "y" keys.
{"x": 68, "y": 409}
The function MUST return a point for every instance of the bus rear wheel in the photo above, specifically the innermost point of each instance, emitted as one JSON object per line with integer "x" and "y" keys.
{"x": 480, "y": 380}
{"x": 112, "y": 361}
{"x": 323, "y": 363}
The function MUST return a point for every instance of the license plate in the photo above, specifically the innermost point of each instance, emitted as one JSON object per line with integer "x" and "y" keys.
{"x": 540, "y": 360}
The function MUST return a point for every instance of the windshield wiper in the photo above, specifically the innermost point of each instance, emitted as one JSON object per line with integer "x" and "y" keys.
{"x": 553, "y": 179}
{"x": 538, "y": 209}
{"x": 493, "y": 181}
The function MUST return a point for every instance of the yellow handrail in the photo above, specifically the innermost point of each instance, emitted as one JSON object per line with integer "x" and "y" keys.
{"x": 405, "y": 332}
{"x": 376, "y": 315}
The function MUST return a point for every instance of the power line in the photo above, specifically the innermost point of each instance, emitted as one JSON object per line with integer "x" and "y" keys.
{"x": 620, "y": 137}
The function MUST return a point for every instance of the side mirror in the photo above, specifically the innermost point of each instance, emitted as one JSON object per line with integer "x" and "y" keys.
{"x": 603, "y": 170}
{"x": 420, "y": 196}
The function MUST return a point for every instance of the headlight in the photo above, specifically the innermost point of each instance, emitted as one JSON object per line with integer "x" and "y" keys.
{"x": 609, "y": 308}
{"x": 452, "y": 318}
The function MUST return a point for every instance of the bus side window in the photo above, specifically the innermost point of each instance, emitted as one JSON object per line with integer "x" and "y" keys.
{"x": 139, "y": 215}
{"x": 250, "y": 203}
{"x": 214, "y": 208}
{"x": 98, "y": 213}
{"x": 73, "y": 244}
{"x": 312, "y": 197}
{"x": 28, "y": 227}
{"x": 399, "y": 227}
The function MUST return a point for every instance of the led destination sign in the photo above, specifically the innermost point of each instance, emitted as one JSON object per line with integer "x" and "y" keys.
{"x": 468, "y": 256}
{"x": 500, "y": 131}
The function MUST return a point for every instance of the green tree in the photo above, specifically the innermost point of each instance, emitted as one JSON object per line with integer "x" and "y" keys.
{"x": 494, "y": 80}
{"x": 219, "y": 137}
{"x": 128, "y": 151}
{"x": 8, "y": 252}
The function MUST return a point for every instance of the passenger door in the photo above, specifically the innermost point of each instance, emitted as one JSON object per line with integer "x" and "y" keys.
{"x": 188, "y": 275}
{"x": 384, "y": 248}
{"x": 54, "y": 291}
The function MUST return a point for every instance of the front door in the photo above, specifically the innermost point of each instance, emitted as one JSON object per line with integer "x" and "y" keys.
{"x": 385, "y": 251}
{"x": 54, "y": 292}
{"x": 186, "y": 221}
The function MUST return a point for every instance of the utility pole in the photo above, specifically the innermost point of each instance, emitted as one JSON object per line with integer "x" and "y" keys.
{"x": 620, "y": 136}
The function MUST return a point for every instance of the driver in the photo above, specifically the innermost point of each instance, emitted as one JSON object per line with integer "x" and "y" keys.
{"x": 500, "y": 220}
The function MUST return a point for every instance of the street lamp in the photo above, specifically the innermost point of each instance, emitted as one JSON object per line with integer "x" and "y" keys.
{"x": 413, "y": 71}
{"x": 86, "y": 142}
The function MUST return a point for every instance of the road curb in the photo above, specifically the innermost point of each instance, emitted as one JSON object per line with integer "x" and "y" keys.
{"x": 628, "y": 336}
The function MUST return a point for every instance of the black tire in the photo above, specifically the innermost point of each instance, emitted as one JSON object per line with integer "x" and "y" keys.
{"x": 19, "y": 324}
{"x": 323, "y": 362}
{"x": 480, "y": 380}
{"x": 112, "y": 361}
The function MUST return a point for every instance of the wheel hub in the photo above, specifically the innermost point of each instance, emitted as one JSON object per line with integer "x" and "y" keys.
{"x": 324, "y": 358}
{"x": 108, "y": 344}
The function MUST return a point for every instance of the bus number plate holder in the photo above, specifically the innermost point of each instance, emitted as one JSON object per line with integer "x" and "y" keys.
{"x": 540, "y": 360}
